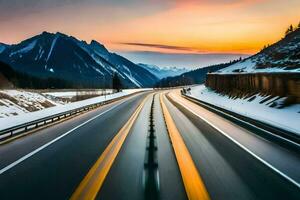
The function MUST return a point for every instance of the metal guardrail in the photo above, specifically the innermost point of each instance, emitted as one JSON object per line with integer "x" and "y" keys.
{"x": 22, "y": 128}
{"x": 281, "y": 136}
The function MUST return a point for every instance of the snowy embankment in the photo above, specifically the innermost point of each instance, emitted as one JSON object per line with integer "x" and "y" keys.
{"x": 70, "y": 94}
{"x": 22, "y": 118}
{"x": 256, "y": 107}
{"x": 250, "y": 66}
{"x": 16, "y": 102}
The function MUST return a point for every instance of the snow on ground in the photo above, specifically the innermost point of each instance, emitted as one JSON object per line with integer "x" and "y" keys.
{"x": 15, "y": 102}
{"x": 287, "y": 118}
{"x": 25, "y": 49}
{"x": 70, "y": 94}
{"x": 52, "y": 46}
{"x": 249, "y": 66}
{"x": 25, "y": 117}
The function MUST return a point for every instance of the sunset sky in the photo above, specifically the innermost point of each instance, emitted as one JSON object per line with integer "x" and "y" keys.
{"x": 160, "y": 26}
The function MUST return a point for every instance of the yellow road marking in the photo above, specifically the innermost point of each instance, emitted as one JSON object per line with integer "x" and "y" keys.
{"x": 192, "y": 181}
{"x": 92, "y": 182}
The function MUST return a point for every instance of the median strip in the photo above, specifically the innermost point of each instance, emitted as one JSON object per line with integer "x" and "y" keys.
{"x": 151, "y": 174}
{"x": 92, "y": 182}
{"x": 193, "y": 183}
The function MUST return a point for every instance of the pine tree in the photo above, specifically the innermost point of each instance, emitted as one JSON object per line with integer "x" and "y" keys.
{"x": 116, "y": 83}
{"x": 299, "y": 25}
{"x": 289, "y": 30}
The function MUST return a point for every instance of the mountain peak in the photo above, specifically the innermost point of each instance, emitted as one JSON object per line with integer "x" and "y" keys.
{"x": 95, "y": 43}
{"x": 61, "y": 34}
{"x": 66, "y": 58}
{"x": 99, "y": 48}
{"x": 2, "y": 44}
{"x": 46, "y": 33}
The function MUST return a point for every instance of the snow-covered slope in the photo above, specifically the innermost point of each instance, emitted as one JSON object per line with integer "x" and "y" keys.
{"x": 257, "y": 107}
{"x": 163, "y": 72}
{"x": 64, "y": 57}
{"x": 283, "y": 56}
{"x": 69, "y": 94}
{"x": 136, "y": 74}
{"x": 15, "y": 102}
{"x": 7, "y": 121}
{"x": 2, "y": 47}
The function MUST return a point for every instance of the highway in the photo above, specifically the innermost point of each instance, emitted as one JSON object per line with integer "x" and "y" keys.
{"x": 152, "y": 145}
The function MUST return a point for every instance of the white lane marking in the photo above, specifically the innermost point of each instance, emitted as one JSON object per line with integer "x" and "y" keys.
{"x": 278, "y": 136}
{"x": 246, "y": 149}
{"x": 54, "y": 140}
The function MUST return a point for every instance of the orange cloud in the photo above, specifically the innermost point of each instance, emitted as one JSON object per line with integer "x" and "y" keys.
{"x": 234, "y": 26}
{"x": 211, "y": 27}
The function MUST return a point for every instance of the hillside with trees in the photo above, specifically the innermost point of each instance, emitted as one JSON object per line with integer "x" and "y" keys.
{"x": 23, "y": 80}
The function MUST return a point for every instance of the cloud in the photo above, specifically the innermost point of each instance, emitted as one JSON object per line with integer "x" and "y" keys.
{"x": 162, "y": 46}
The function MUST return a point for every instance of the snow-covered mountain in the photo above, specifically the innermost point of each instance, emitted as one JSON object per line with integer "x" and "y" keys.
{"x": 196, "y": 76}
{"x": 64, "y": 57}
{"x": 163, "y": 72}
{"x": 2, "y": 47}
{"x": 283, "y": 56}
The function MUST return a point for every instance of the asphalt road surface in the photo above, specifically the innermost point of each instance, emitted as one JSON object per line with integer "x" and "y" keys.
{"x": 153, "y": 145}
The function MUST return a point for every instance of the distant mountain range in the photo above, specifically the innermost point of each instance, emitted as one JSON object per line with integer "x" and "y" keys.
{"x": 163, "y": 72}
{"x": 61, "y": 57}
{"x": 59, "y": 61}
{"x": 282, "y": 56}
{"x": 196, "y": 76}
